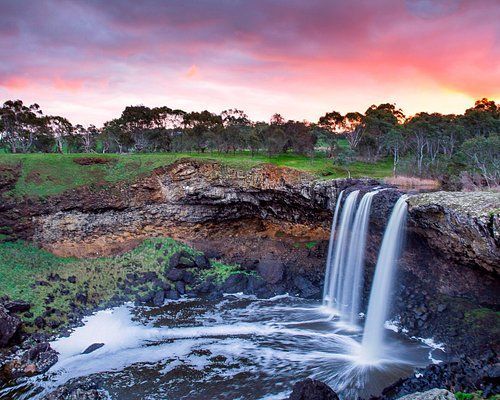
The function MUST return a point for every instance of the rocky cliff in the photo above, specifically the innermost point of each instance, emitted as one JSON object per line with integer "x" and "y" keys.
{"x": 277, "y": 221}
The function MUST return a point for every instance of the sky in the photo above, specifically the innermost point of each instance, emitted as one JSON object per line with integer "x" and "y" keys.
{"x": 86, "y": 60}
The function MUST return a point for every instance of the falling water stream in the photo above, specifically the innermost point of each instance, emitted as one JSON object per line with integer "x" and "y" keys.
{"x": 380, "y": 295}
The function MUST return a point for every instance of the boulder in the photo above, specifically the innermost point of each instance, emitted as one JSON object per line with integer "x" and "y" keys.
{"x": 433, "y": 394}
{"x": 159, "y": 298}
{"x": 17, "y": 306}
{"x": 271, "y": 271}
{"x": 93, "y": 347}
{"x": 174, "y": 274}
{"x": 9, "y": 325}
{"x": 202, "y": 261}
{"x": 311, "y": 389}
{"x": 305, "y": 287}
{"x": 235, "y": 283}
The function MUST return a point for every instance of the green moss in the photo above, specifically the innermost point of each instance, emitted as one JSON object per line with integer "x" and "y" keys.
{"x": 44, "y": 175}
{"x": 474, "y": 396}
{"x": 22, "y": 265}
{"x": 220, "y": 272}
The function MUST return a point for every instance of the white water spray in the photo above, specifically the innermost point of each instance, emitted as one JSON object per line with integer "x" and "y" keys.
{"x": 378, "y": 307}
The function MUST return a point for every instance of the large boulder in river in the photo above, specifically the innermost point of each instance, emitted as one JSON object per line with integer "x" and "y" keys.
{"x": 311, "y": 389}
{"x": 9, "y": 325}
{"x": 78, "y": 389}
{"x": 433, "y": 394}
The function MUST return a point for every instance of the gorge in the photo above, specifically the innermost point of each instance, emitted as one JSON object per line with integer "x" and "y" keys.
{"x": 275, "y": 224}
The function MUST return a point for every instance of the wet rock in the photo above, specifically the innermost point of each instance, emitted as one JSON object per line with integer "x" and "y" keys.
{"x": 159, "y": 298}
{"x": 93, "y": 347}
{"x": 180, "y": 287}
{"x": 305, "y": 287}
{"x": 38, "y": 359}
{"x": 254, "y": 283}
{"x": 174, "y": 274}
{"x": 433, "y": 394}
{"x": 205, "y": 287}
{"x": 9, "y": 325}
{"x": 271, "y": 271}
{"x": 78, "y": 389}
{"x": 311, "y": 389}
{"x": 235, "y": 283}
{"x": 172, "y": 295}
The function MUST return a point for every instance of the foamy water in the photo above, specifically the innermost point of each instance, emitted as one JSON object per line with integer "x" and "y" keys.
{"x": 237, "y": 348}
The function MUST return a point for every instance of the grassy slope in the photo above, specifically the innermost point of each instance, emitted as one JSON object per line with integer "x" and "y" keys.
{"x": 22, "y": 264}
{"x": 48, "y": 174}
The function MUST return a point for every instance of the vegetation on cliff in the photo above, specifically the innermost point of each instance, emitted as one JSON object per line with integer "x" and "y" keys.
{"x": 41, "y": 175}
{"x": 58, "y": 287}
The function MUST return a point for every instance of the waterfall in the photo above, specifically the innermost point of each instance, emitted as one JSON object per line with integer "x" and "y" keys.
{"x": 354, "y": 267}
{"x": 380, "y": 295}
{"x": 345, "y": 260}
{"x": 334, "y": 268}
{"x": 330, "y": 246}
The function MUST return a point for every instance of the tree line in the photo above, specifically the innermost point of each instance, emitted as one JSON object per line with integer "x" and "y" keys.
{"x": 425, "y": 144}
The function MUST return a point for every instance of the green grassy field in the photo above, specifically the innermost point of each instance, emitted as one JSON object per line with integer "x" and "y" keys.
{"x": 22, "y": 265}
{"x": 49, "y": 174}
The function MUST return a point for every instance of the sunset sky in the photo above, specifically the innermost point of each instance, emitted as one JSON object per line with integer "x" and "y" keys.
{"x": 86, "y": 60}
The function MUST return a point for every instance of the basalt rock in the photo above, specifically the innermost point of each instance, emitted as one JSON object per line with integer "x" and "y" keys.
{"x": 79, "y": 389}
{"x": 311, "y": 389}
{"x": 9, "y": 326}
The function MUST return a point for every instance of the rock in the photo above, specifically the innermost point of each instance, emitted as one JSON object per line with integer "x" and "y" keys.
{"x": 235, "y": 283}
{"x": 305, "y": 287}
{"x": 72, "y": 279}
{"x": 186, "y": 262}
{"x": 188, "y": 277}
{"x": 180, "y": 287}
{"x": 159, "y": 298}
{"x": 93, "y": 347}
{"x": 81, "y": 297}
{"x": 311, "y": 389}
{"x": 38, "y": 359}
{"x": 9, "y": 325}
{"x": 202, "y": 261}
{"x": 271, "y": 271}
{"x": 205, "y": 287}
{"x": 433, "y": 394}
{"x": 172, "y": 295}
{"x": 40, "y": 322}
{"x": 254, "y": 283}
{"x": 78, "y": 389}
{"x": 174, "y": 274}
{"x": 17, "y": 306}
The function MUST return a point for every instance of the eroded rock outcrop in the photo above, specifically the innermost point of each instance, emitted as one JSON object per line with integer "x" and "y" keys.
{"x": 463, "y": 227}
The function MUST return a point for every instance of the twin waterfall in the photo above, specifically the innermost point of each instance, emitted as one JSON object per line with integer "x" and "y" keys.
{"x": 345, "y": 266}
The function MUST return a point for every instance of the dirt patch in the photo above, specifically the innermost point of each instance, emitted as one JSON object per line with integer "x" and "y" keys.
{"x": 34, "y": 177}
{"x": 9, "y": 174}
{"x": 92, "y": 160}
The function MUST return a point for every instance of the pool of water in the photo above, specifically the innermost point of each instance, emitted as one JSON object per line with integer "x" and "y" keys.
{"x": 235, "y": 348}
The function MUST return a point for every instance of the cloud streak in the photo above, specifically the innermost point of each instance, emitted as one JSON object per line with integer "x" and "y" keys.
{"x": 299, "y": 58}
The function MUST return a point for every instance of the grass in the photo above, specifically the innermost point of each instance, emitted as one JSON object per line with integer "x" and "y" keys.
{"x": 474, "y": 396}
{"x": 22, "y": 265}
{"x": 44, "y": 175}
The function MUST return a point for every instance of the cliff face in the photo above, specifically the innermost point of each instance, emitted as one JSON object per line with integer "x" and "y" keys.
{"x": 188, "y": 195}
{"x": 463, "y": 227}
{"x": 277, "y": 221}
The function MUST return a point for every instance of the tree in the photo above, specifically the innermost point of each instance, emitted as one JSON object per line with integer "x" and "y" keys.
{"x": 482, "y": 119}
{"x": 60, "y": 128}
{"x": 393, "y": 142}
{"x": 353, "y": 127}
{"x": 482, "y": 153}
{"x": 332, "y": 123}
{"x": 20, "y": 124}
